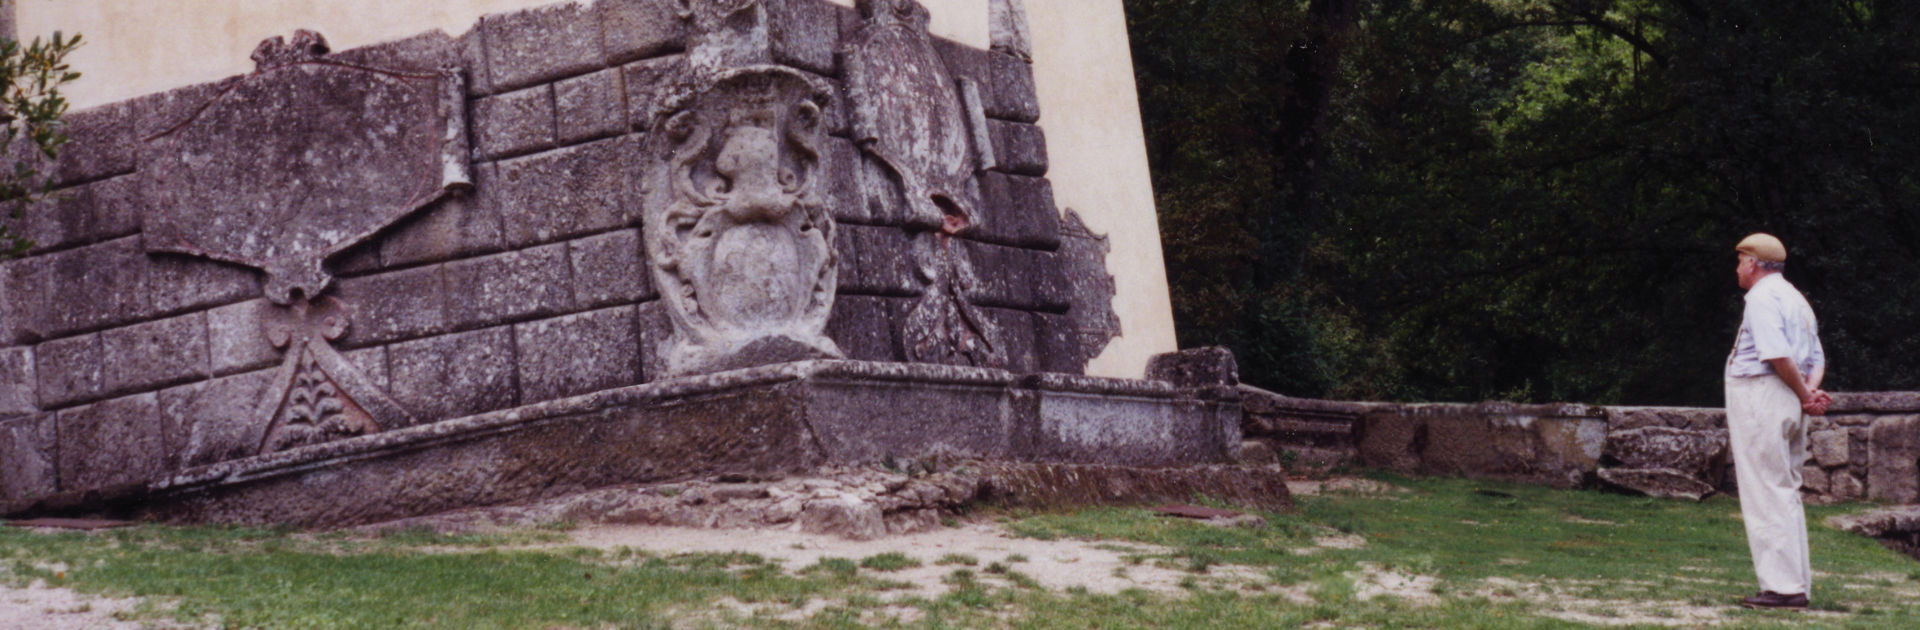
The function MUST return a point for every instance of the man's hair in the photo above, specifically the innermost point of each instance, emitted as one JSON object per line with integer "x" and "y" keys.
{"x": 1770, "y": 265}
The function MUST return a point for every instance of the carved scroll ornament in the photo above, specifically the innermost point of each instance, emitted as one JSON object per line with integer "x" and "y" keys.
{"x": 738, "y": 241}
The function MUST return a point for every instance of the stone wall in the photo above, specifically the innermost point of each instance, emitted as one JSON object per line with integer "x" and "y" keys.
{"x": 122, "y": 360}
{"x": 1866, "y": 448}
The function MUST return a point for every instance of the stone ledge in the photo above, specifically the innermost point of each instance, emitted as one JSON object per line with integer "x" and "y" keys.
{"x": 770, "y": 419}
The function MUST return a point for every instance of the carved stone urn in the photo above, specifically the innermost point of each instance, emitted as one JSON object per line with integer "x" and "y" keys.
{"x": 738, "y": 241}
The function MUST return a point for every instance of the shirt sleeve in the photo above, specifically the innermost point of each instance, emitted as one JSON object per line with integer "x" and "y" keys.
{"x": 1768, "y": 326}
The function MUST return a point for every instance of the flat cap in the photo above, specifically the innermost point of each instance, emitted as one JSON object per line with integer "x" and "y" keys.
{"x": 1762, "y": 246}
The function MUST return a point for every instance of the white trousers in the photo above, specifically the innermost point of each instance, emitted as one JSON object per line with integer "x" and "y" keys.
{"x": 1769, "y": 439}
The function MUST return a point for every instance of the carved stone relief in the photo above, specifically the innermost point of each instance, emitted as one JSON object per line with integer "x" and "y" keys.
{"x": 317, "y": 395}
{"x": 301, "y": 159}
{"x": 738, "y": 241}
{"x": 908, "y": 119}
{"x": 283, "y": 167}
{"x": 923, "y": 141}
{"x": 944, "y": 327}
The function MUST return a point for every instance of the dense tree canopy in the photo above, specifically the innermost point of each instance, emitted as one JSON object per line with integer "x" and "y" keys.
{"x": 1530, "y": 199}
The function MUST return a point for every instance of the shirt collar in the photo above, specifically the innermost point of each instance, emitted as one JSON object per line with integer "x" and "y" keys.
{"x": 1767, "y": 279}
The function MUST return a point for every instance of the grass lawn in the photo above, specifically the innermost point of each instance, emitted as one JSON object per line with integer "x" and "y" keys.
{"x": 1438, "y": 553}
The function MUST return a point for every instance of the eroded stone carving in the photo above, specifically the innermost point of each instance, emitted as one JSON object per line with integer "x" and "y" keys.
{"x": 301, "y": 159}
{"x": 727, "y": 34}
{"x": 908, "y": 121}
{"x": 738, "y": 240}
{"x": 944, "y": 326}
{"x": 922, "y": 146}
{"x": 1090, "y": 311}
{"x": 317, "y": 395}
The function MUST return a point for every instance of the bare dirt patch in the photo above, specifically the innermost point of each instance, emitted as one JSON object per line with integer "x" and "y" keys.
{"x": 1556, "y": 599}
{"x": 1053, "y": 564}
{"x": 43, "y": 607}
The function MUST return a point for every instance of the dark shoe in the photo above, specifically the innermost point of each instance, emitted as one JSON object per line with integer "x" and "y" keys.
{"x": 1770, "y": 599}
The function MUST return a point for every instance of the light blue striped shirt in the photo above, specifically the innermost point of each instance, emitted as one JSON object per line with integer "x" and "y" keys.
{"x": 1777, "y": 323}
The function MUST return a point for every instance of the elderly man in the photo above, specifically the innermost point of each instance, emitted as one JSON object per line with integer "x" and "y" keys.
{"x": 1773, "y": 380}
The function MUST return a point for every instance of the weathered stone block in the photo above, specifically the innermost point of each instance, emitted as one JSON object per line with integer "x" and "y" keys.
{"x": 590, "y": 107}
{"x": 1035, "y": 218}
{"x": 1131, "y": 423}
{"x": 27, "y": 465}
{"x": 69, "y": 370}
{"x": 610, "y": 269}
{"x": 654, "y": 328}
{"x": 805, "y": 34}
{"x": 62, "y": 219}
{"x": 1021, "y": 148}
{"x": 633, "y": 29}
{"x": 372, "y": 362}
{"x": 1692, "y": 452}
{"x": 1059, "y": 345}
{"x": 1012, "y": 277}
{"x": 101, "y": 143}
{"x": 1016, "y": 338}
{"x": 1663, "y": 483}
{"x": 1829, "y": 448}
{"x": 112, "y": 277}
{"x": 875, "y": 260}
{"x": 17, "y": 382}
{"x": 425, "y": 52}
{"x": 460, "y": 225}
{"x": 214, "y": 421}
{"x": 454, "y": 375}
{"x": 154, "y": 354}
{"x": 647, "y": 83}
{"x": 569, "y": 192}
{"x": 110, "y": 442}
{"x": 236, "y": 342}
{"x": 540, "y": 44}
{"x": 1813, "y": 479}
{"x": 181, "y": 283}
{"x": 1013, "y": 97}
{"x": 1844, "y": 486}
{"x": 1893, "y": 460}
{"x": 867, "y": 327}
{"x": 23, "y": 305}
{"x": 514, "y": 123}
{"x": 1876, "y": 402}
{"x": 509, "y": 287}
{"x": 117, "y": 207}
{"x": 1195, "y": 367}
{"x": 840, "y": 183}
{"x": 395, "y": 305}
{"x": 577, "y": 354}
{"x": 156, "y": 113}
{"x": 1484, "y": 441}
{"x": 1018, "y": 211}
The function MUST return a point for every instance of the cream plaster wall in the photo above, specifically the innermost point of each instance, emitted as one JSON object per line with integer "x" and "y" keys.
{"x": 1082, "y": 67}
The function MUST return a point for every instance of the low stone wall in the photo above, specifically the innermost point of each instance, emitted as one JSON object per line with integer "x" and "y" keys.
{"x": 1866, "y": 447}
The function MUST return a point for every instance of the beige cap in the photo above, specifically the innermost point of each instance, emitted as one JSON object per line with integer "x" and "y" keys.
{"x": 1762, "y": 246}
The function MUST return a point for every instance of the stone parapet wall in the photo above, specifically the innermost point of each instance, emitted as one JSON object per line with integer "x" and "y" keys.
{"x": 120, "y": 364}
{"x": 1866, "y": 448}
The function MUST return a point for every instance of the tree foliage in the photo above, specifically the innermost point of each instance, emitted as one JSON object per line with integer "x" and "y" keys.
{"x": 1531, "y": 199}
{"x": 31, "y": 108}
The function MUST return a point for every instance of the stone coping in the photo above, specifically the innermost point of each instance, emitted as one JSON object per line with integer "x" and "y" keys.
{"x": 528, "y": 416}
